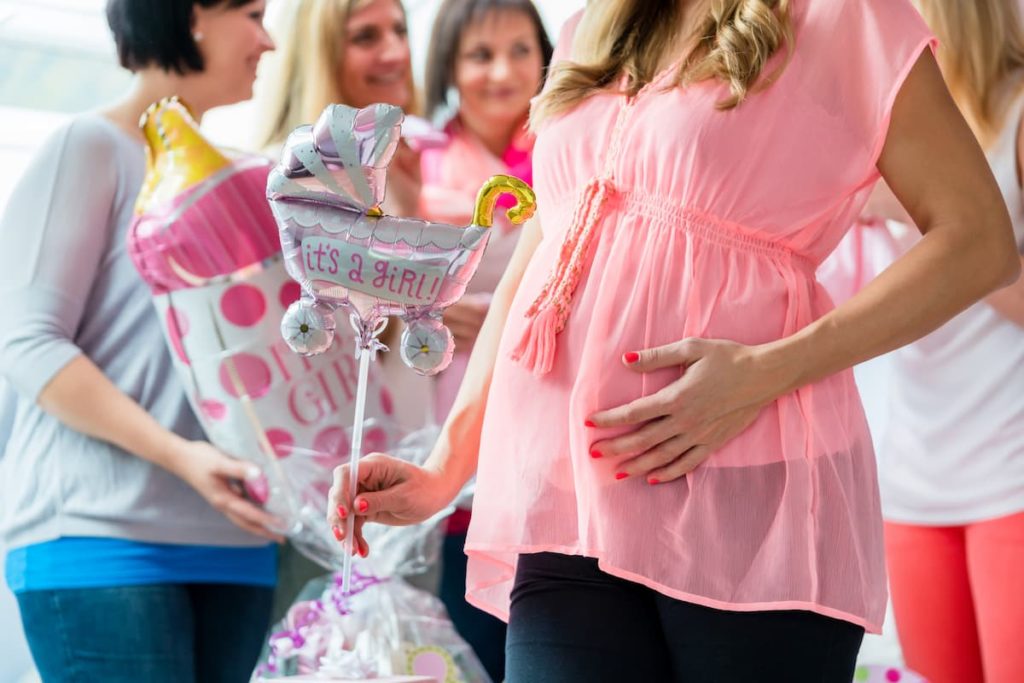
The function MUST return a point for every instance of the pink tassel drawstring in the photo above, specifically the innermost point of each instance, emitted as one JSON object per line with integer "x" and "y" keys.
{"x": 550, "y": 310}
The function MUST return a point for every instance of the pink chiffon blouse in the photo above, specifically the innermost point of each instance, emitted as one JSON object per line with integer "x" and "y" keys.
{"x": 665, "y": 218}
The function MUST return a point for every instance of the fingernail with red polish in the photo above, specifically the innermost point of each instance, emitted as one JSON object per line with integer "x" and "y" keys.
{"x": 337, "y": 533}
{"x": 590, "y": 423}
{"x": 621, "y": 475}
{"x": 631, "y": 357}
{"x": 342, "y": 512}
{"x": 363, "y": 505}
{"x": 653, "y": 481}
{"x": 363, "y": 553}
{"x": 595, "y": 454}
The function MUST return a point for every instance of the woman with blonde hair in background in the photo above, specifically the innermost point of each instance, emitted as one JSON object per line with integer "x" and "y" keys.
{"x": 487, "y": 61}
{"x": 952, "y": 456}
{"x": 353, "y": 52}
{"x": 675, "y": 479}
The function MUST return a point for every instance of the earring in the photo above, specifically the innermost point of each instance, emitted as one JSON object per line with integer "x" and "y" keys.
{"x": 197, "y": 36}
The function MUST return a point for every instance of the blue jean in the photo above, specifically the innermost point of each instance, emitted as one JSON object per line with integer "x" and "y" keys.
{"x": 165, "y": 633}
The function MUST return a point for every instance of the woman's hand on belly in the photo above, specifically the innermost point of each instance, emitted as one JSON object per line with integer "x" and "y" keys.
{"x": 723, "y": 388}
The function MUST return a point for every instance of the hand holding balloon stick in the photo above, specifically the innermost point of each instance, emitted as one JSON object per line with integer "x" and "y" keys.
{"x": 326, "y": 194}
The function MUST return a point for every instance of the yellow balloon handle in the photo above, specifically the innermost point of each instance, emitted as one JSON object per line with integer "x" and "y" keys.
{"x": 177, "y": 154}
{"x": 493, "y": 189}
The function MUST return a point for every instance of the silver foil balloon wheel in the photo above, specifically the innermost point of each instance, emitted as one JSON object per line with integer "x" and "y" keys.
{"x": 308, "y": 328}
{"x": 427, "y": 346}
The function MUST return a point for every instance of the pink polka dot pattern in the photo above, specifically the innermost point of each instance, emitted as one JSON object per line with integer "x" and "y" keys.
{"x": 290, "y": 293}
{"x": 893, "y": 675}
{"x": 332, "y": 446}
{"x": 213, "y": 409}
{"x": 252, "y": 370}
{"x": 243, "y": 305}
{"x": 386, "y": 402}
{"x": 177, "y": 328}
{"x": 375, "y": 440}
{"x": 282, "y": 441}
{"x": 434, "y": 664}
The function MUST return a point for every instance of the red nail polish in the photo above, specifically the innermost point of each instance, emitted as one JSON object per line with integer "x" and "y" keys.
{"x": 363, "y": 505}
{"x": 337, "y": 533}
{"x": 595, "y": 454}
{"x": 621, "y": 475}
{"x": 653, "y": 482}
{"x": 631, "y": 357}
{"x": 342, "y": 512}
{"x": 363, "y": 553}
{"x": 590, "y": 423}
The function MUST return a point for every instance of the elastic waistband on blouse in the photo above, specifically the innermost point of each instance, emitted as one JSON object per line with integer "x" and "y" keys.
{"x": 709, "y": 228}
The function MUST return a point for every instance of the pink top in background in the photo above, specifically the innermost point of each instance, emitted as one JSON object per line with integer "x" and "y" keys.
{"x": 452, "y": 176}
{"x": 712, "y": 225}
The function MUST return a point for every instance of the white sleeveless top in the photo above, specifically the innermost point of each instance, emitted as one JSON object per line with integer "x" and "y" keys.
{"x": 953, "y": 452}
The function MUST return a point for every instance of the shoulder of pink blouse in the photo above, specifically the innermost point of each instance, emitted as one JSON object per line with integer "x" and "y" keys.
{"x": 563, "y": 48}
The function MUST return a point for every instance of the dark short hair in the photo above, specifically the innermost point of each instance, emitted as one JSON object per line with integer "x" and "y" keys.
{"x": 452, "y": 19}
{"x": 158, "y": 32}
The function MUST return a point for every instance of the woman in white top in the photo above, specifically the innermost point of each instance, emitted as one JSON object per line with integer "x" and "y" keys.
{"x": 953, "y": 454}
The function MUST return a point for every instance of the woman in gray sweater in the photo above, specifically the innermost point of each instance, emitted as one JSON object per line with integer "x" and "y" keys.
{"x": 133, "y": 555}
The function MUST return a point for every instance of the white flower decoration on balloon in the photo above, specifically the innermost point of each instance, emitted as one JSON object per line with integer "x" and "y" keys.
{"x": 307, "y": 328}
{"x": 427, "y": 346}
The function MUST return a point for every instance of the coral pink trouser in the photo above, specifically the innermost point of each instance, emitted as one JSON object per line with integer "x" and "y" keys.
{"x": 958, "y": 597}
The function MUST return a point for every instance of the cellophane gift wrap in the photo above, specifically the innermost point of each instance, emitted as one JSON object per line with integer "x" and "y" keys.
{"x": 206, "y": 243}
{"x": 383, "y": 626}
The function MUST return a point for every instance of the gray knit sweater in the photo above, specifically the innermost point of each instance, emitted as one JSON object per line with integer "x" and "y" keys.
{"x": 68, "y": 287}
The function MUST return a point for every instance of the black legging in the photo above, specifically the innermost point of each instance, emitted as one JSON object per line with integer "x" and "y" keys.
{"x": 572, "y": 623}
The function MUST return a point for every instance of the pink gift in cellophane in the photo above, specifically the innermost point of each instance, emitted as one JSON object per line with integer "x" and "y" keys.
{"x": 205, "y": 241}
{"x": 381, "y": 627}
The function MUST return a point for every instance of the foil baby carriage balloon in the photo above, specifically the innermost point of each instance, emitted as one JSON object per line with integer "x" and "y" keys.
{"x": 326, "y": 195}
{"x": 205, "y": 241}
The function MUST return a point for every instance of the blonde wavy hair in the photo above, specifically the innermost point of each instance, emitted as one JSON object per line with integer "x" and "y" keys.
{"x": 981, "y": 53}
{"x": 301, "y": 76}
{"x": 732, "y": 43}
